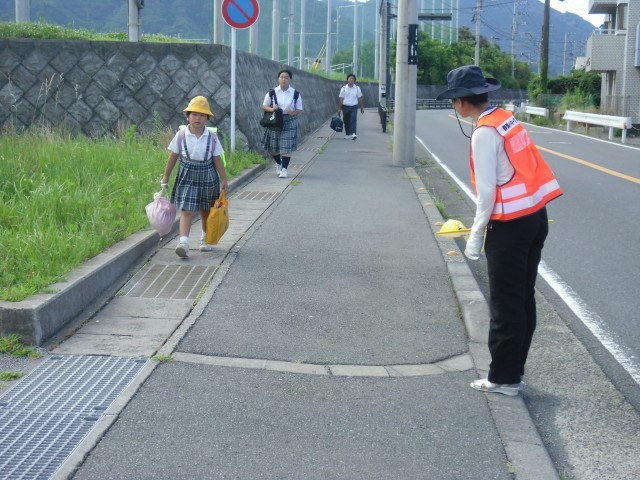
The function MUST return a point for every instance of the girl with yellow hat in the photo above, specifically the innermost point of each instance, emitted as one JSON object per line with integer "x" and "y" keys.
{"x": 201, "y": 173}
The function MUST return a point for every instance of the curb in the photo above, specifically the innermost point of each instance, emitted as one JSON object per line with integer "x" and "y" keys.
{"x": 523, "y": 445}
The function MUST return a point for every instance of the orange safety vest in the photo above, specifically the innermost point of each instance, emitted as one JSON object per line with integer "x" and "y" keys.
{"x": 533, "y": 184}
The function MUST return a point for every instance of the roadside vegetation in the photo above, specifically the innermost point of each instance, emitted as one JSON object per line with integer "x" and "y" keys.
{"x": 67, "y": 198}
{"x": 12, "y": 346}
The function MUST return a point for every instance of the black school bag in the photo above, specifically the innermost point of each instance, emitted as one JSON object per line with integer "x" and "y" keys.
{"x": 275, "y": 119}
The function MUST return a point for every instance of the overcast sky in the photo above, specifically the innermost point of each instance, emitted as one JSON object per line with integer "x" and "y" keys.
{"x": 579, "y": 7}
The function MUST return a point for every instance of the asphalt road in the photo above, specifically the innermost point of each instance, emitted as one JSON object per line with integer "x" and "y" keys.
{"x": 585, "y": 361}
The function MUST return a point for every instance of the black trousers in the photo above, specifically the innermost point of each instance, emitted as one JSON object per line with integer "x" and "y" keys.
{"x": 350, "y": 114}
{"x": 513, "y": 249}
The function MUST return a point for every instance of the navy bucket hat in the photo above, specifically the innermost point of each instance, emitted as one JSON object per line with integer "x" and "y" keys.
{"x": 466, "y": 81}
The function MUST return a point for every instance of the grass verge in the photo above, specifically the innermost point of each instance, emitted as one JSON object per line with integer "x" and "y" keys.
{"x": 65, "y": 199}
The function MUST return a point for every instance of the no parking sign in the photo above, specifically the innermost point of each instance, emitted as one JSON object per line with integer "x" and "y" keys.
{"x": 240, "y": 13}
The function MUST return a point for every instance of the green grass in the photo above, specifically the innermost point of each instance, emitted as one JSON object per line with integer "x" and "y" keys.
{"x": 43, "y": 30}
{"x": 162, "y": 358}
{"x": 9, "y": 375}
{"x": 12, "y": 346}
{"x": 65, "y": 199}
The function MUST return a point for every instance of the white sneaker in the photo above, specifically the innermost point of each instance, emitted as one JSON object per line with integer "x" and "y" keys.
{"x": 347, "y": 137}
{"x": 182, "y": 250}
{"x": 278, "y": 168}
{"x": 204, "y": 246}
{"x": 354, "y": 136}
{"x": 283, "y": 173}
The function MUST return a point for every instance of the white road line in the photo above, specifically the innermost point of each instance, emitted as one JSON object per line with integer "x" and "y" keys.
{"x": 578, "y": 306}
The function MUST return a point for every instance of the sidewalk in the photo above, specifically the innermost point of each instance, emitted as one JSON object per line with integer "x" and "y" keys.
{"x": 321, "y": 338}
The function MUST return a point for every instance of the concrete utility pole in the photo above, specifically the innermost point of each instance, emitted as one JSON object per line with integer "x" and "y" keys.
{"x": 275, "y": 31}
{"x": 253, "y": 38}
{"x": 218, "y": 23}
{"x": 354, "y": 66}
{"x": 404, "y": 132}
{"x": 376, "y": 48}
{"x": 134, "y": 20}
{"x": 544, "y": 51}
{"x": 303, "y": 33}
{"x": 327, "y": 53}
{"x": 23, "y": 8}
{"x": 291, "y": 32}
{"x": 382, "y": 74}
{"x": 478, "y": 14}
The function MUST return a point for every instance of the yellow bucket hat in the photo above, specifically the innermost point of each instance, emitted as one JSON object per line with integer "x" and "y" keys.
{"x": 199, "y": 104}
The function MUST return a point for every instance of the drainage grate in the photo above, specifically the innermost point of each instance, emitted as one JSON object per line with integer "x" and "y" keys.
{"x": 45, "y": 416}
{"x": 265, "y": 196}
{"x": 171, "y": 281}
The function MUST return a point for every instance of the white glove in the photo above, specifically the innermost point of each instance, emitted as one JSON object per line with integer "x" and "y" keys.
{"x": 474, "y": 245}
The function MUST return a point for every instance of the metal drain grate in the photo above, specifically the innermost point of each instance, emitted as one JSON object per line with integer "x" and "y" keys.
{"x": 264, "y": 196}
{"x": 171, "y": 281}
{"x": 45, "y": 416}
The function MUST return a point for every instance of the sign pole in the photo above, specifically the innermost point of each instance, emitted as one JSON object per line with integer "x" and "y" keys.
{"x": 237, "y": 14}
{"x": 233, "y": 89}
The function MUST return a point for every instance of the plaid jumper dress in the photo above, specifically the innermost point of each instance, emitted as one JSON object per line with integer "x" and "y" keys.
{"x": 197, "y": 185}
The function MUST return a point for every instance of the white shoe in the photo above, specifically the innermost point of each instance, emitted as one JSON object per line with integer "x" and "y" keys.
{"x": 204, "y": 246}
{"x": 182, "y": 250}
{"x": 354, "y": 136}
{"x": 278, "y": 168}
{"x": 347, "y": 137}
{"x": 283, "y": 173}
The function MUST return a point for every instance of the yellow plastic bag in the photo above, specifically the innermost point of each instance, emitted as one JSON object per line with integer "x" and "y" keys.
{"x": 218, "y": 221}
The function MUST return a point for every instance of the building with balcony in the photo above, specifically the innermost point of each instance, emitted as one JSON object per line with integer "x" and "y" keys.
{"x": 614, "y": 51}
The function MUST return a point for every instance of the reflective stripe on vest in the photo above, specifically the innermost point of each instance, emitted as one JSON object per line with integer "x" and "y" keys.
{"x": 533, "y": 184}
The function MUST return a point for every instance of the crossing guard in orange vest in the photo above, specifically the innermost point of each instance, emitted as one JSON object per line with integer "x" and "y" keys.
{"x": 513, "y": 184}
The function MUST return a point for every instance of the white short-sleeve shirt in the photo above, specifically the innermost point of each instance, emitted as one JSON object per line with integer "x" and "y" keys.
{"x": 284, "y": 99}
{"x": 350, "y": 95}
{"x": 197, "y": 146}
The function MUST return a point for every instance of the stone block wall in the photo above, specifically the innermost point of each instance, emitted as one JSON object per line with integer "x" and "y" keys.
{"x": 97, "y": 87}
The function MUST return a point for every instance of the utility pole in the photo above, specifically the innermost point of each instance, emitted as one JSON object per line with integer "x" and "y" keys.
{"x": 23, "y": 9}
{"x": 376, "y": 48}
{"x": 292, "y": 33}
{"x": 218, "y": 23}
{"x": 382, "y": 70}
{"x": 514, "y": 26}
{"x": 544, "y": 51}
{"x": 253, "y": 38}
{"x": 275, "y": 31}
{"x": 478, "y": 14}
{"x": 303, "y": 20}
{"x": 354, "y": 66}
{"x": 327, "y": 53}
{"x": 404, "y": 133}
{"x": 134, "y": 19}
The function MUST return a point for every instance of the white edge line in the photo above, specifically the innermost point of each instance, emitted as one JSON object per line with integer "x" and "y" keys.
{"x": 578, "y": 306}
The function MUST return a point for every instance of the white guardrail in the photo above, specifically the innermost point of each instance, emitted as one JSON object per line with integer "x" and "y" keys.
{"x": 623, "y": 123}
{"x": 528, "y": 109}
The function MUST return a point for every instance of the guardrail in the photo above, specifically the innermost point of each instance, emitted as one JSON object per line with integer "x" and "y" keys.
{"x": 623, "y": 123}
{"x": 382, "y": 111}
{"x": 538, "y": 111}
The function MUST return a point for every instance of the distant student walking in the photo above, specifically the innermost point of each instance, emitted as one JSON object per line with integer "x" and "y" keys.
{"x": 280, "y": 142}
{"x": 349, "y": 100}
{"x": 201, "y": 173}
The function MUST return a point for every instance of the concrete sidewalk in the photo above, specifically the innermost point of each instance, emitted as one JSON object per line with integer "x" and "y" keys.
{"x": 330, "y": 334}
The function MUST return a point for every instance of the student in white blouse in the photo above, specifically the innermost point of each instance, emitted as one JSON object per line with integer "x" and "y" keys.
{"x": 280, "y": 142}
{"x": 349, "y": 100}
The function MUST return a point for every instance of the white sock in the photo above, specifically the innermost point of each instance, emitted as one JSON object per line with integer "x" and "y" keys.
{"x": 203, "y": 235}
{"x": 184, "y": 239}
